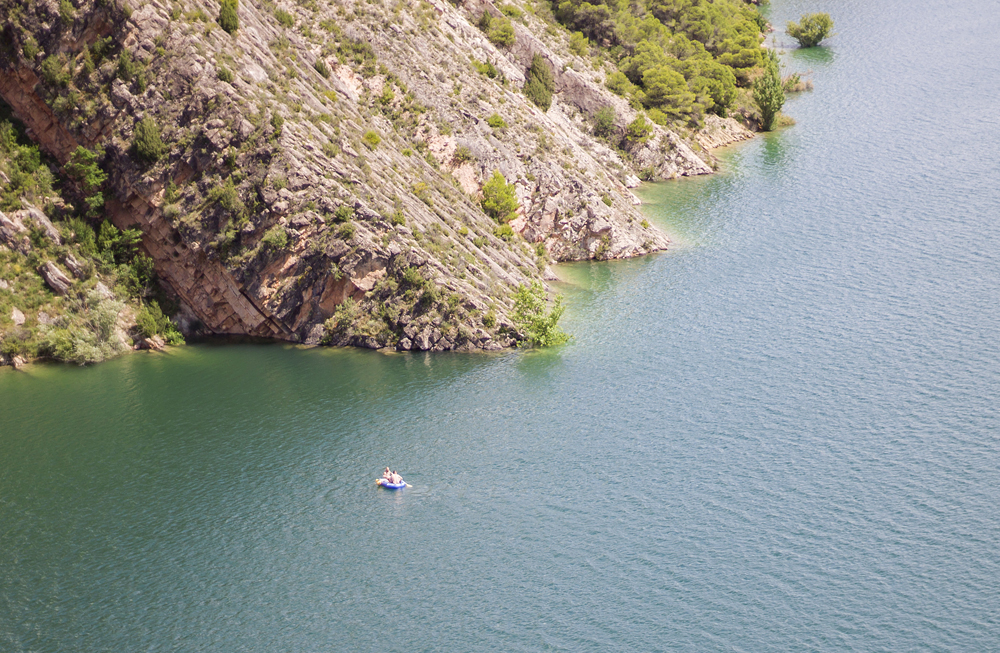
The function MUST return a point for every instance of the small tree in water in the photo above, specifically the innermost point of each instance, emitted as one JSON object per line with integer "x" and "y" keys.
{"x": 811, "y": 29}
{"x": 768, "y": 93}
{"x": 540, "y": 329}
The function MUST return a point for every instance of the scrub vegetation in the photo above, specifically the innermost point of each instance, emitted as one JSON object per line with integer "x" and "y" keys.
{"x": 73, "y": 287}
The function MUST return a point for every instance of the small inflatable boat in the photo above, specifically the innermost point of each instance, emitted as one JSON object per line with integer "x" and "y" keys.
{"x": 388, "y": 485}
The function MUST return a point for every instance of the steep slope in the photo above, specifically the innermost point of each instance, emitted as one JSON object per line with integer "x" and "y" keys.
{"x": 316, "y": 174}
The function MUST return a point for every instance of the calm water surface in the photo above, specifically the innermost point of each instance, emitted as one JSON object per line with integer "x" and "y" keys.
{"x": 782, "y": 435}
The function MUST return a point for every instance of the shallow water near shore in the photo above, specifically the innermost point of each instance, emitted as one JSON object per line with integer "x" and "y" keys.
{"x": 781, "y": 435}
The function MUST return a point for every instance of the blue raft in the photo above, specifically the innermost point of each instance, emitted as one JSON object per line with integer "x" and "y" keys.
{"x": 390, "y": 486}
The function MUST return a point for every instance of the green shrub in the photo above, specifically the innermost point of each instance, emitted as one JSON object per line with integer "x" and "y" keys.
{"x": 539, "y": 328}
{"x": 398, "y": 218}
{"x": 638, "y": 131}
{"x": 66, "y": 11}
{"x": 604, "y": 121}
{"x": 498, "y": 29}
{"x": 278, "y": 123}
{"x": 511, "y": 11}
{"x": 322, "y": 68}
{"x": 606, "y": 199}
{"x": 127, "y": 68}
{"x": 343, "y": 213}
{"x": 83, "y": 168}
{"x": 30, "y": 48}
{"x": 147, "y": 142}
{"x": 811, "y": 29}
{"x": 540, "y": 83}
{"x": 578, "y": 44}
{"x": 225, "y": 75}
{"x": 284, "y": 18}
{"x": 228, "y": 19}
{"x": 485, "y": 68}
{"x": 619, "y": 84}
{"x": 462, "y": 155}
{"x": 768, "y": 93}
{"x": 504, "y": 232}
{"x": 226, "y": 196}
{"x": 496, "y": 122}
{"x": 371, "y": 139}
{"x": 346, "y": 231}
{"x": 499, "y": 199}
{"x": 275, "y": 239}
{"x": 53, "y": 71}
{"x": 152, "y": 322}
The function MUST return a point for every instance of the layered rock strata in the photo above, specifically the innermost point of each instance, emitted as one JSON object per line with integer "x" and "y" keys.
{"x": 338, "y": 154}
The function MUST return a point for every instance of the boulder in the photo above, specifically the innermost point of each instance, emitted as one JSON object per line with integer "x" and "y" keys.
{"x": 53, "y": 276}
{"x": 41, "y": 221}
{"x": 75, "y": 267}
{"x": 17, "y": 316}
{"x": 12, "y": 233}
{"x": 153, "y": 343}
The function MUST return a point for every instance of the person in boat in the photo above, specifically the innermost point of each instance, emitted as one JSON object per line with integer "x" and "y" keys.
{"x": 387, "y": 475}
{"x": 396, "y": 478}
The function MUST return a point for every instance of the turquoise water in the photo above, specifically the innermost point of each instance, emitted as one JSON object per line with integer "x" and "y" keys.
{"x": 782, "y": 435}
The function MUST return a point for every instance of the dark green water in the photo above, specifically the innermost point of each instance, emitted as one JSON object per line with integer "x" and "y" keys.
{"x": 783, "y": 435}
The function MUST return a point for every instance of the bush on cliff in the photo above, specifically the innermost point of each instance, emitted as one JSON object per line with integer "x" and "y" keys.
{"x": 147, "y": 142}
{"x": 540, "y": 83}
{"x": 539, "y": 328}
{"x": 498, "y": 29}
{"x": 499, "y": 199}
{"x": 810, "y": 30}
{"x": 228, "y": 18}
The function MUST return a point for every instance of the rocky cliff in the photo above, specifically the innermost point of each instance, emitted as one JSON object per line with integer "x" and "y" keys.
{"x": 316, "y": 174}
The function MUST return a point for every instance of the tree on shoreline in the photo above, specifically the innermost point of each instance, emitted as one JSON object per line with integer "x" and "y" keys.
{"x": 768, "y": 93}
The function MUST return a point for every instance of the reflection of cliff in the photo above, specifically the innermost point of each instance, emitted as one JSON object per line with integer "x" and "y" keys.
{"x": 268, "y": 210}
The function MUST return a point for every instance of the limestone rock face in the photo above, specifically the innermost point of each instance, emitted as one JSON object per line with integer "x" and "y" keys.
{"x": 719, "y": 132}
{"x": 327, "y": 187}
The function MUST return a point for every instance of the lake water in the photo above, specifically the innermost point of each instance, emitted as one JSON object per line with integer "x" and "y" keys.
{"x": 782, "y": 435}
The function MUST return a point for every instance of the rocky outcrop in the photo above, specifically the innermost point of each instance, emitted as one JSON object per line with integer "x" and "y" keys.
{"x": 720, "y": 132}
{"x": 55, "y": 278}
{"x": 340, "y": 158}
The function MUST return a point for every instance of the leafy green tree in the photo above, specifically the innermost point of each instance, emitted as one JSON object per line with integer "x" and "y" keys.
{"x": 811, "y": 29}
{"x": 578, "y": 44}
{"x": 83, "y": 167}
{"x": 619, "y": 84}
{"x": 594, "y": 20}
{"x": 539, "y": 328}
{"x": 667, "y": 90}
{"x": 768, "y": 93}
{"x": 228, "y": 19}
{"x": 540, "y": 83}
{"x": 499, "y": 199}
